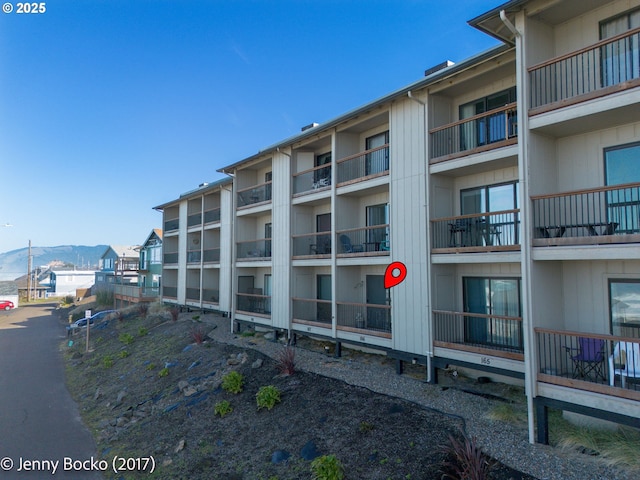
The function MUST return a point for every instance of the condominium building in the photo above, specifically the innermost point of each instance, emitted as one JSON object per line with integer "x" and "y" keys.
{"x": 508, "y": 185}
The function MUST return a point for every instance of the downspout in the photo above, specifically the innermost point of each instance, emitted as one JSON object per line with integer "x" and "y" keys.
{"x": 429, "y": 353}
{"x": 509, "y": 25}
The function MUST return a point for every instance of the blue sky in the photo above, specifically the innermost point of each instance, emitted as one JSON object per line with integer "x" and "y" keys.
{"x": 109, "y": 108}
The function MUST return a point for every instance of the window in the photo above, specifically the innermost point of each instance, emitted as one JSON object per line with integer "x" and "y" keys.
{"x": 620, "y": 60}
{"x": 493, "y": 296}
{"x": 378, "y": 238}
{"x": 490, "y": 128}
{"x": 267, "y": 188}
{"x": 267, "y": 241}
{"x": 322, "y": 176}
{"x": 267, "y": 292}
{"x": 378, "y": 161}
{"x": 622, "y": 166}
{"x": 624, "y": 305}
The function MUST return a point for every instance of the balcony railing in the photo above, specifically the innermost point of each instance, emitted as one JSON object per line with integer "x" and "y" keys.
{"x": 254, "y": 249}
{"x": 314, "y": 179}
{"x": 171, "y": 225}
{"x": 211, "y": 255}
{"x": 485, "y": 131}
{"x": 364, "y": 318}
{"x": 308, "y": 311}
{"x": 171, "y": 292}
{"x": 600, "y": 363}
{"x": 496, "y": 335}
{"x": 608, "y": 66}
{"x": 193, "y": 294}
{"x": 170, "y": 258}
{"x": 483, "y": 232}
{"x": 255, "y": 194}
{"x": 373, "y": 240}
{"x": 210, "y": 295}
{"x": 133, "y": 291}
{"x": 364, "y": 165}
{"x": 212, "y": 216}
{"x": 194, "y": 219}
{"x": 592, "y": 216}
{"x": 312, "y": 244}
{"x": 194, "y": 256}
{"x": 253, "y": 303}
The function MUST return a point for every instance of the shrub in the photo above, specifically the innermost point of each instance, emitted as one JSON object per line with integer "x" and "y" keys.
{"x": 232, "y": 382}
{"x": 174, "y": 312}
{"x": 126, "y": 338}
{"x": 327, "y": 467}
{"x": 143, "y": 310}
{"x": 267, "y": 397}
{"x": 68, "y": 300}
{"x": 104, "y": 297}
{"x": 286, "y": 360}
{"x": 123, "y": 354}
{"x": 151, "y": 366}
{"x": 196, "y": 317}
{"x": 198, "y": 335}
{"x": 107, "y": 361}
{"x": 142, "y": 331}
{"x": 164, "y": 372}
{"x": 222, "y": 408}
{"x": 466, "y": 460}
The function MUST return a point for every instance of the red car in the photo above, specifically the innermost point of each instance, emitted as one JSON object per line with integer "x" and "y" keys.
{"x": 6, "y": 305}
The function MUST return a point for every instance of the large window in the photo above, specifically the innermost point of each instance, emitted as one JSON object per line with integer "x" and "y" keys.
{"x": 378, "y": 161}
{"x": 624, "y": 305}
{"x": 490, "y": 128}
{"x": 622, "y": 166}
{"x": 620, "y": 60}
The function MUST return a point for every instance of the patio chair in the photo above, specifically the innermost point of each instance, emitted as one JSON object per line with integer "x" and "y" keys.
{"x": 348, "y": 247}
{"x": 625, "y": 362}
{"x": 588, "y": 359}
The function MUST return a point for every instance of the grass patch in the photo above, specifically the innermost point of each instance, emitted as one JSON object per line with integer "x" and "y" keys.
{"x": 507, "y": 413}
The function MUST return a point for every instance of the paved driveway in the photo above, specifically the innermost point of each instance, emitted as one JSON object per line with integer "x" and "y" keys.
{"x": 39, "y": 422}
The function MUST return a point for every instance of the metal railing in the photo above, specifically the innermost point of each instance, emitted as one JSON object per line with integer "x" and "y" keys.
{"x": 210, "y": 295}
{"x": 611, "y": 64}
{"x": 490, "y": 129}
{"x": 309, "y": 310}
{"x": 252, "y": 249}
{"x": 365, "y": 240}
{"x": 211, "y": 255}
{"x": 171, "y": 225}
{"x": 255, "y": 194}
{"x": 194, "y": 256}
{"x": 253, "y": 303}
{"x": 313, "y": 179}
{"x": 608, "y": 360}
{"x": 493, "y": 332}
{"x": 595, "y": 212}
{"x": 171, "y": 292}
{"x": 487, "y": 230}
{"x": 193, "y": 294}
{"x": 212, "y": 216}
{"x": 170, "y": 258}
{"x": 194, "y": 219}
{"x": 363, "y": 165}
{"x": 312, "y": 244}
{"x": 364, "y": 316}
{"x": 134, "y": 291}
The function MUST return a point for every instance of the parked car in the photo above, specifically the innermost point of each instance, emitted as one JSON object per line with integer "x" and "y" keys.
{"x": 6, "y": 305}
{"x": 94, "y": 318}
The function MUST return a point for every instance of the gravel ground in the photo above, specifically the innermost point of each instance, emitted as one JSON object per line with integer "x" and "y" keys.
{"x": 506, "y": 442}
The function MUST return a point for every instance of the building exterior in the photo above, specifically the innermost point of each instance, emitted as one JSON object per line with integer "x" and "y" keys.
{"x": 67, "y": 282}
{"x": 147, "y": 286}
{"x": 118, "y": 265}
{"x": 196, "y": 266}
{"x": 9, "y": 292}
{"x": 507, "y": 184}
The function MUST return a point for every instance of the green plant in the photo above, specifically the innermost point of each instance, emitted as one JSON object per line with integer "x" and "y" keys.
{"x": 222, "y": 408}
{"x": 104, "y": 297}
{"x": 248, "y": 333}
{"x": 164, "y": 372}
{"x": 196, "y": 317}
{"x": 286, "y": 360}
{"x": 267, "y": 397}
{"x": 465, "y": 460}
{"x": 327, "y": 467}
{"x": 123, "y": 354}
{"x": 142, "y": 332}
{"x": 126, "y": 338}
{"x": 366, "y": 427}
{"x": 232, "y": 382}
{"x": 107, "y": 361}
{"x": 151, "y": 366}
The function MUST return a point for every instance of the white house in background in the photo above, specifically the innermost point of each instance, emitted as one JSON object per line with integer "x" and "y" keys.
{"x": 66, "y": 282}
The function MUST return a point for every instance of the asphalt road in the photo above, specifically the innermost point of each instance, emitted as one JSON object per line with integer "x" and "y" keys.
{"x": 40, "y": 427}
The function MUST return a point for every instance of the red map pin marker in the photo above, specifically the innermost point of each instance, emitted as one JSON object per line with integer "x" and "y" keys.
{"x": 395, "y": 274}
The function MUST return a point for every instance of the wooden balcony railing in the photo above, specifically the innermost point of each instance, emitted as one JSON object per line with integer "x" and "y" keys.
{"x": 482, "y": 232}
{"x": 254, "y": 195}
{"x": 364, "y": 318}
{"x": 312, "y": 312}
{"x": 604, "y": 364}
{"x": 591, "y": 216}
{"x": 253, "y": 249}
{"x": 373, "y": 240}
{"x": 606, "y": 67}
{"x": 212, "y": 216}
{"x": 496, "y": 335}
{"x": 312, "y": 244}
{"x": 253, "y": 303}
{"x": 314, "y": 179}
{"x": 364, "y": 165}
{"x": 485, "y": 131}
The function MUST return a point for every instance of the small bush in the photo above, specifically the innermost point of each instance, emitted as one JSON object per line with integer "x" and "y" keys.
{"x": 174, "y": 312}
{"x": 104, "y": 298}
{"x": 107, "y": 361}
{"x": 267, "y": 397}
{"x": 196, "y": 317}
{"x": 68, "y": 300}
{"x": 123, "y": 354}
{"x": 164, "y": 372}
{"x": 143, "y": 310}
{"x": 466, "y": 460}
{"x": 126, "y": 338}
{"x": 222, "y": 408}
{"x": 198, "y": 335}
{"x": 142, "y": 332}
{"x": 327, "y": 467}
{"x": 286, "y": 360}
{"x": 151, "y": 366}
{"x": 232, "y": 382}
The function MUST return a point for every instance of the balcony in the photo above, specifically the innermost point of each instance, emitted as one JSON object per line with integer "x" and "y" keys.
{"x": 194, "y": 256}
{"x": 194, "y": 219}
{"x": 494, "y": 335}
{"x": 605, "y": 364}
{"x": 170, "y": 292}
{"x": 607, "y": 67}
{"x": 364, "y": 318}
{"x": 171, "y": 225}
{"x": 482, "y": 232}
{"x": 212, "y": 216}
{"x": 312, "y": 180}
{"x": 363, "y": 166}
{"x": 253, "y": 303}
{"x": 210, "y": 295}
{"x": 211, "y": 255}
{"x": 366, "y": 241}
{"x": 136, "y": 292}
{"x": 193, "y": 294}
{"x": 254, "y": 249}
{"x": 603, "y": 215}
{"x": 254, "y": 195}
{"x": 171, "y": 258}
{"x": 486, "y": 131}
{"x": 316, "y": 245}
{"x": 312, "y": 312}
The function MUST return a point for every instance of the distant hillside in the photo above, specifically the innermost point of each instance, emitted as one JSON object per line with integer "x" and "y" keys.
{"x": 13, "y": 264}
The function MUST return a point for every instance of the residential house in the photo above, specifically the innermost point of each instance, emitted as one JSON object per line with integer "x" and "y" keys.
{"x": 64, "y": 283}
{"x": 118, "y": 265}
{"x": 9, "y": 291}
